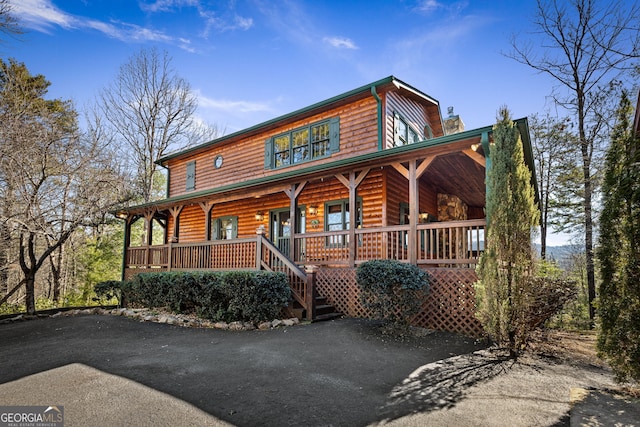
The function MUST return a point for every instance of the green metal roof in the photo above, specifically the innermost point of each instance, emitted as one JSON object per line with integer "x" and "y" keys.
{"x": 322, "y": 104}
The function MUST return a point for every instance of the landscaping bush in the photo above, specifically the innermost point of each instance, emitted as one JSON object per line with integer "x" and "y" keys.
{"x": 256, "y": 296}
{"x": 392, "y": 290}
{"x": 238, "y": 295}
{"x": 109, "y": 289}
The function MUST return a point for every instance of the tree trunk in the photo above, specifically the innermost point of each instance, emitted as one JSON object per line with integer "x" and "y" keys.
{"x": 30, "y": 298}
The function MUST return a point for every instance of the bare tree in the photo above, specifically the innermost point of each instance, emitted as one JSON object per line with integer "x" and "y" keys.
{"x": 8, "y": 23}
{"x": 585, "y": 47}
{"x": 56, "y": 179}
{"x": 552, "y": 152}
{"x": 150, "y": 109}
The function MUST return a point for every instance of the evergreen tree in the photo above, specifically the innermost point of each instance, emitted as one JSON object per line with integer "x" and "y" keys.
{"x": 507, "y": 262}
{"x": 619, "y": 251}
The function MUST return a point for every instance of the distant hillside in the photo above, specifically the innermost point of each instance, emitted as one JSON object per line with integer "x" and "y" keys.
{"x": 561, "y": 254}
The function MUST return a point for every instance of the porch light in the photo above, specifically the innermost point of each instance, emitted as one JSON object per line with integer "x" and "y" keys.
{"x": 423, "y": 217}
{"x": 259, "y": 216}
{"x": 475, "y": 147}
{"x": 313, "y": 210}
{"x": 121, "y": 215}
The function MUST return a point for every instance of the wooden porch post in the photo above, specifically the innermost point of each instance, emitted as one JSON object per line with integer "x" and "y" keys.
{"x": 148, "y": 225}
{"x": 352, "y": 184}
{"x": 206, "y": 208}
{"x": 413, "y": 175}
{"x": 293, "y": 194}
{"x": 175, "y": 213}
{"x": 414, "y": 211}
{"x": 127, "y": 244}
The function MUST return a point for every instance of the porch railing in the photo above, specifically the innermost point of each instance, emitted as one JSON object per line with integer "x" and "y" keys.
{"x": 456, "y": 243}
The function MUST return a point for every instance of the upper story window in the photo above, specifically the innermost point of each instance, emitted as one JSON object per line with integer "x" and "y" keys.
{"x": 300, "y": 145}
{"x": 403, "y": 132}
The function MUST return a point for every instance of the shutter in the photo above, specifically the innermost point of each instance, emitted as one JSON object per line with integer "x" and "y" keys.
{"x": 191, "y": 176}
{"x": 268, "y": 153}
{"x": 216, "y": 230}
{"x": 234, "y": 225}
{"x": 334, "y": 134}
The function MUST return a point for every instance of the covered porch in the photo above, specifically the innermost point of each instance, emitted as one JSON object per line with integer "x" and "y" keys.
{"x": 400, "y": 201}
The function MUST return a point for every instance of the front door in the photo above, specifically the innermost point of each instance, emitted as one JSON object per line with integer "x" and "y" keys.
{"x": 281, "y": 226}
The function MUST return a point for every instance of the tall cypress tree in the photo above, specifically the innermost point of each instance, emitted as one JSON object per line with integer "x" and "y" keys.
{"x": 507, "y": 262}
{"x": 619, "y": 251}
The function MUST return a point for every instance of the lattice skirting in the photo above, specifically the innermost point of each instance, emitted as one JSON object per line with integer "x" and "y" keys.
{"x": 449, "y": 306}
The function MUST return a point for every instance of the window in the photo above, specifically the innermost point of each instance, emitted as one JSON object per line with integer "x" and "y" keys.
{"x": 303, "y": 144}
{"x": 225, "y": 228}
{"x": 403, "y": 132}
{"x": 191, "y": 176}
{"x": 337, "y": 218}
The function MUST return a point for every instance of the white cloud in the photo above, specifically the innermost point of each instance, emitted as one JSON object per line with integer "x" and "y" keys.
{"x": 340, "y": 42}
{"x": 428, "y": 6}
{"x": 229, "y": 105}
{"x": 166, "y": 5}
{"x": 41, "y": 15}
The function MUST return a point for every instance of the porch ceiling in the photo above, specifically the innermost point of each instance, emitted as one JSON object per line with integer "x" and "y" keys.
{"x": 457, "y": 174}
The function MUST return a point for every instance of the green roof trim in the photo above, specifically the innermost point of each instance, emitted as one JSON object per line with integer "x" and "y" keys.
{"x": 362, "y": 89}
{"x": 363, "y": 158}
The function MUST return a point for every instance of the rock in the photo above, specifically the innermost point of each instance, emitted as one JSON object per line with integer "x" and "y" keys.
{"x": 236, "y": 326}
{"x": 148, "y": 318}
{"x": 264, "y": 326}
{"x": 163, "y": 319}
{"x": 221, "y": 325}
{"x": 288, "y": 322}
{"x": 295, "y": 320}
{"x": 248, "y": 326}
{"x": 276, "y": 323}
{"x": 58, "y": 314}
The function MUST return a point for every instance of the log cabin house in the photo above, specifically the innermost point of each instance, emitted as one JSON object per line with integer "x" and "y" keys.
{"x": 374, "y": 173}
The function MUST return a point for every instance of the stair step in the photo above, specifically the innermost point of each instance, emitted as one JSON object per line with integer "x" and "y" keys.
{"x": 324, "y": 309}
{"x": 329, "y": 316}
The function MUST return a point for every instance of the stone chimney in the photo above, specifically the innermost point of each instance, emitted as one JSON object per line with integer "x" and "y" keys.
{"x": 453, "y": 123}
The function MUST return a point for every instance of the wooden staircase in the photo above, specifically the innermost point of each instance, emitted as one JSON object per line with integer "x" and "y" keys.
{"x": 305, "y": 303}
{"x": 323, "y": 310}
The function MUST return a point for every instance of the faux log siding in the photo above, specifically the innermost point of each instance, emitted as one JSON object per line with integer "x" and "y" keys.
{"x": 398, "y": 192}
{"x": 192, "y": 219}
{"x": 410, "y": 110}
{"x": 244, "y": 159}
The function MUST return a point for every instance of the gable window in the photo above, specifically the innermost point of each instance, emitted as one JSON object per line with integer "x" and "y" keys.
{"x": 337, "y": 219}
{"x": 191, "y": 176}
{"x": 225, "y": 228}
{"x": 301, "y": 145}
{"x": 403, "y": 133}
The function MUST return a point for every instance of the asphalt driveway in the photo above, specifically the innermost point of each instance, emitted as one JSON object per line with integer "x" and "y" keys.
{"x": 337, "y": 373}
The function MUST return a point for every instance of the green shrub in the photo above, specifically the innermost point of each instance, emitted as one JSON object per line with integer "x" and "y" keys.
{"x": 238, "y": 295}
{"x": 256, "y": 296}
{"x": 392, "y": 290}
{"x": 109, "y": 289}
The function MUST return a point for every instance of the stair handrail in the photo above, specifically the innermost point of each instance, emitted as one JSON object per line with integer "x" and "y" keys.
{"x": 292, "y": 268}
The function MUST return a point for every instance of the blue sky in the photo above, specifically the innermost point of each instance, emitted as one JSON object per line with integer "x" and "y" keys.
{"x": 252, "y": 60}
